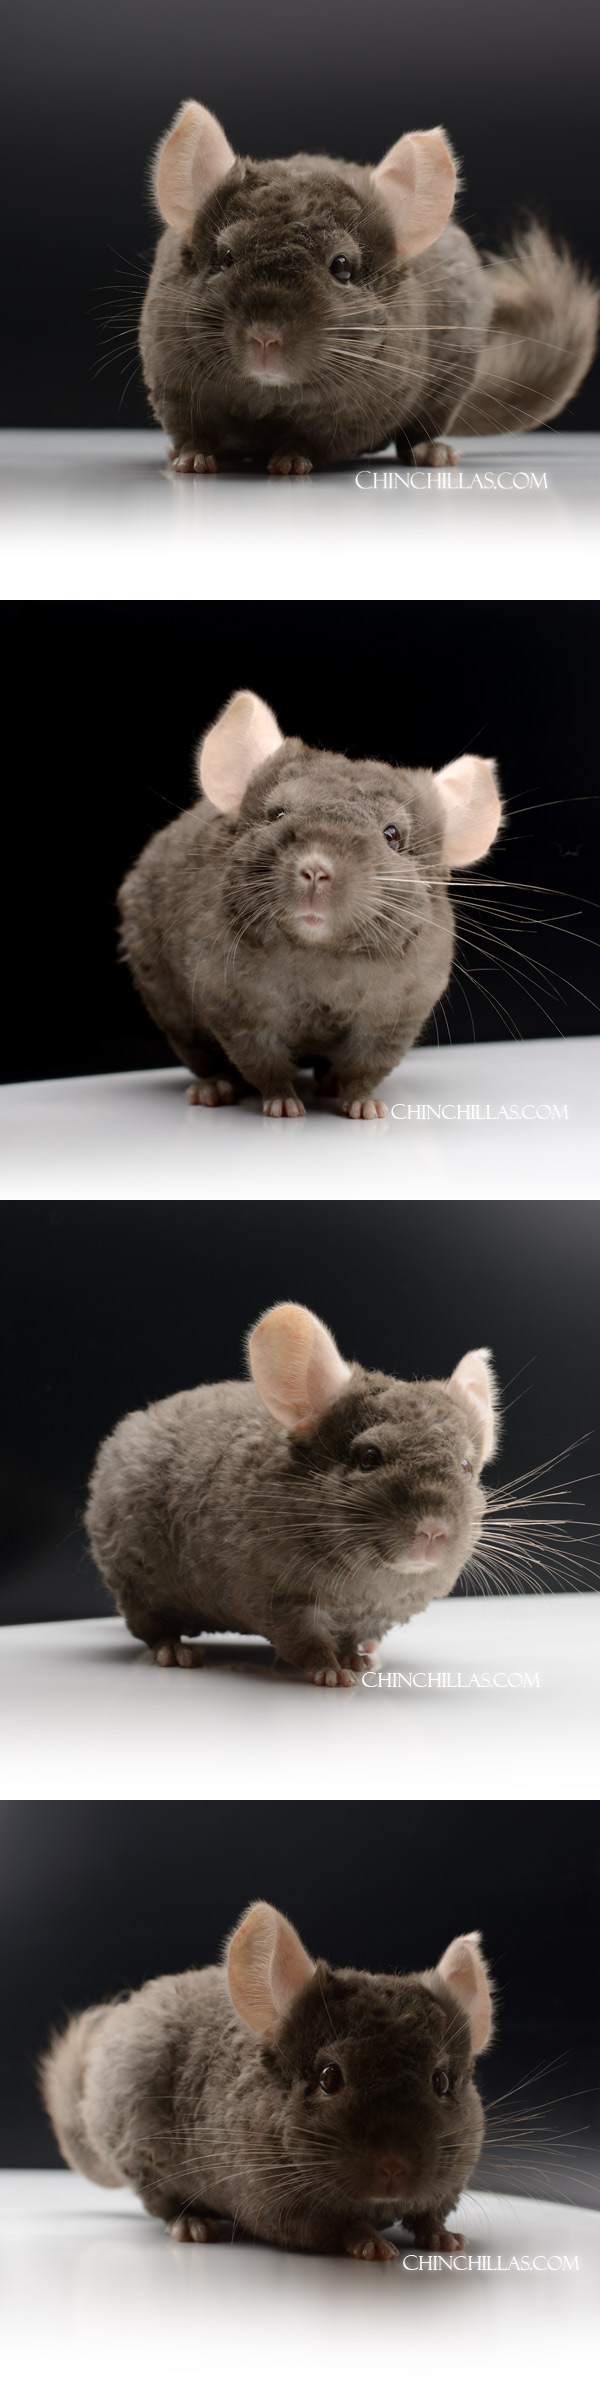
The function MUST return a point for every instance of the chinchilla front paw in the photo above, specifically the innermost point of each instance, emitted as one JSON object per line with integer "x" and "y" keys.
{"x": 363, "y": 1106}
{"x": 190, "y": 461}
{"x": 193, "y": 2229}
{"x": 214, "y": 1091}
{"x": 289, "y": 462}
{"x": 283, "y": 1104}
{"x": 435, "y": 454}
{"x": 178, "y": 1654}
{"x": 371, "y": 2245}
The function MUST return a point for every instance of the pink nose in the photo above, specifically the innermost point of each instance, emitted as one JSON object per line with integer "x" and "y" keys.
{"x": 315, "y": 871}
{"x": 391, "y": 2173}
{"x": 263, "y": 342}
{"x": 429, "y": 1541}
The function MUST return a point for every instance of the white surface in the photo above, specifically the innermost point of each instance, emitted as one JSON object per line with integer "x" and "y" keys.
{"x": 135, "y": 1137}
{"x": 102, "y": 516}
{"x": 86, "y": 1714}
{"x": 96, "y": 2299}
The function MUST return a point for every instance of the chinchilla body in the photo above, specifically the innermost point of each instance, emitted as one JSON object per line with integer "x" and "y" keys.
{"x": 304, "y": 2102}
{"x": 386, "y": 363}
{"x": 207, "y": 1513}
{"x": 302, "y": 310}
{"x": 213, "y": 929}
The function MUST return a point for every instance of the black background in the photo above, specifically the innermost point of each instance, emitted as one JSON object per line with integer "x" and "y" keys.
{"x": 99, "y": 1896}
{"x": 87, "y": 92}
{"x": 103, "y": 708}
{"x": 107, "y": 1305}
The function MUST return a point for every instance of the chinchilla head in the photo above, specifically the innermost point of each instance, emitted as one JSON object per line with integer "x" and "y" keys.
{"x": 372, "y": 2075}
{"x": 273, "y": 264}
{"x": 379, "y": 1472}
{"x": 333, "y": 853}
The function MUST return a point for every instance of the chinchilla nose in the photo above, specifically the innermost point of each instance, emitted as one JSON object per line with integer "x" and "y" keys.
{"x": 391, "y": 2173}
{"x": 315, "y": 870}
{"x": 429, "y": 1541}
{"x": 264, "y": 342}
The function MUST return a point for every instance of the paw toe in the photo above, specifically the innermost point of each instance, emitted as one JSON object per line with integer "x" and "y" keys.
{"x": 290, "y": 463}
{"x": 367, "y": 1107}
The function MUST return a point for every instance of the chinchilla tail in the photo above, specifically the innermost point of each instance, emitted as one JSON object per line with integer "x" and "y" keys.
{"x": 541, "y": 338}
{"x": 62, "y": 2083}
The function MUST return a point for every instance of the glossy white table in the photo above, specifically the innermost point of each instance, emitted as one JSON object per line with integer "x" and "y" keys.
{"x": 98, "y": 2300}
{"x": 499, "y": 1700}
{"x": 102, "y": 516}
{"x": 504, "y": 1120}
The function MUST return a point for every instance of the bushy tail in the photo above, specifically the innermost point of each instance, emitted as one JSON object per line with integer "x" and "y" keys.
{"x": 541, "y": 338}
{"x": 62, "y": 2082}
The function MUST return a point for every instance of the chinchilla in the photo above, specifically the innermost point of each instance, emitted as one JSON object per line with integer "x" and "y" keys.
{"x": 313, "y": 2105}
{"x": 301, "y": 911}
{"x": 317, "y": 1504}
{"x": 302, "y": 310}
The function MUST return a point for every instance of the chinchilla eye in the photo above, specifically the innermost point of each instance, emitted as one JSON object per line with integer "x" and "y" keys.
{"x": 441, "y": 2082}
{"x": 331, "y": 2079}
{"x": 368, "y": 1459}
{"x": 392, "y": 836}
{"x": 226, "y": 259}
{"x": 276, "y": 813}
{"x": 466, "y": 1466}
{"x": 341, "y": 268}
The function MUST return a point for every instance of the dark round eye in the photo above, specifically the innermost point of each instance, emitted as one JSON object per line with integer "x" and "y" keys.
{"x": 226, "y": 259}
{"x": 331, "y": 2079}
{"x": 368, "y": 1459}
{"x": 392, "y": 836}
{"x": 440, "y": 2082}
{"x": 277, "y": 813}
{"x": 466, "y": 1466}
{"x": 341, "y": 268}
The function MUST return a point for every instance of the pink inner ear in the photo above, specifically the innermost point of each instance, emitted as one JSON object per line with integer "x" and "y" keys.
{"x": 463, "y": 1970}
{"x": 476, "y": 1379}
{"x": 417, "y": 183}
{"x": 195, "y": 156}
{"x": 472, "y": 807}
{"x": 244, "y": 736}
{"x": 266, "y": 1967}
{"x": 295, "y": 1366}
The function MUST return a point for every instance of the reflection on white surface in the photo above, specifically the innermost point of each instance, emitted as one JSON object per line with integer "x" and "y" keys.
{"x": 501, "y": 1702}
{"x": 98, "y": 2300}
{"x": 498, "y": 1120}
{"x": 102, "y": 516}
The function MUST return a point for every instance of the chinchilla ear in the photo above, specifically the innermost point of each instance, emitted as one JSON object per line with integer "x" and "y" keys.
{"x": 464, "y": 1970}
{"x": 194, "y": 155}
{"x": 295, "y": 1366}
{"x": 474, "y": 1376}
{"x": 244, "y": 736}
{"x": 266, "y": 1967}
{"x": 417, "y": 182}
{"x": 468, "y": 790}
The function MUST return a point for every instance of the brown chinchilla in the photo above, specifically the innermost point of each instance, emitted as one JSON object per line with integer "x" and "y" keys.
{"x": 301, "y": 911}
{"x": 313, "y": 2105}
{"x": 302, "y": 310}
{"x": 317, "y": 1504}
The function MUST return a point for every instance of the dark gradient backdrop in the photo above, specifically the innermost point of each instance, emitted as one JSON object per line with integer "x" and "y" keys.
{"x": 88, "y": 91}
{"x": 107, "y": 1305}
{"x": 104, "y": 705}
{"x": 98, "y": 1897}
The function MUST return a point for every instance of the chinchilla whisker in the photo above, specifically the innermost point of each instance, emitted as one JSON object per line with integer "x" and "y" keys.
{"x": 532, "y": 1474}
